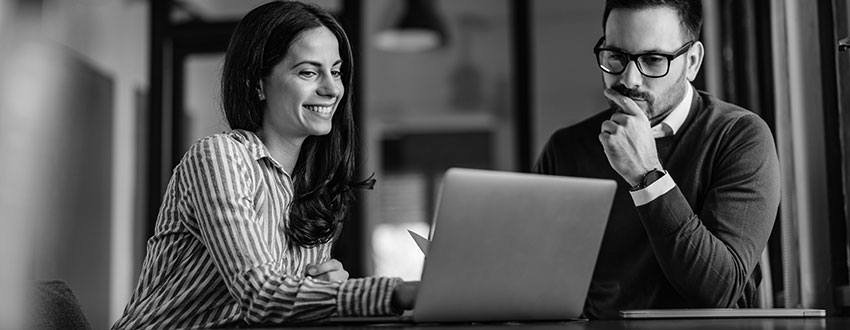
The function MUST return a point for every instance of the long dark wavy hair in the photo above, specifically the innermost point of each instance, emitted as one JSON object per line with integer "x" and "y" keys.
{"x": 324, "y": 174}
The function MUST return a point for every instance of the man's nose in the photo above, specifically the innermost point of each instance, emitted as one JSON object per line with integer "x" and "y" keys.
{"x": 631, "y": 76}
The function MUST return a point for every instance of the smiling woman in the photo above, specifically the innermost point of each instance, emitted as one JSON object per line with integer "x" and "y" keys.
{"x": 305, "y": 88}
{"x": 249, "y": 217}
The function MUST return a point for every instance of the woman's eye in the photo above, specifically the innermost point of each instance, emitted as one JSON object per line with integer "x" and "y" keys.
{"x": 336, "y": 73}
{"x": 307, "y": 74}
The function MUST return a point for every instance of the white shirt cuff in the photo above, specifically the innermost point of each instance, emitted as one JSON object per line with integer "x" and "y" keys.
{"x": 653, "y": 191}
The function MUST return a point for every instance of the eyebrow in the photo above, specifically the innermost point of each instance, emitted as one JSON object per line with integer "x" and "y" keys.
{"x": 651, "y": 51}
{"x": 314, "y": 63}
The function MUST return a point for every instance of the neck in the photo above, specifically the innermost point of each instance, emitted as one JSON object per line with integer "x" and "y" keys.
{"x": 283, "y": 149}
{"x": 660, "y": 117}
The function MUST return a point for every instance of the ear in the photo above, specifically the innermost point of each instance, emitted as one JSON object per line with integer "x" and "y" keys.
{"x": 694, "y": 57}
{"x": 260, "y": 91}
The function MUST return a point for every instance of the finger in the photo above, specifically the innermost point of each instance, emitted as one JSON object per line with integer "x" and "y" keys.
{"x": 333, "y": 276}
{"x": 311, "y": 269}
{"x": 628, "y": 105}
{"x": 605, "y": 141}
{"x": 337, "y": 275}
{"x": 621, "y": 118}
{"x": 322, "y": 268}
{"x": 610, "y": 127}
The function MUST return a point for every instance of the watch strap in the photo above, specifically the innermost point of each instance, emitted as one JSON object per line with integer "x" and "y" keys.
{"x": 649, "y": 178}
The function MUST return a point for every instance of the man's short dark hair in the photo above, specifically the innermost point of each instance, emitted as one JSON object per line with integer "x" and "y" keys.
{"x": 690, "y": 12}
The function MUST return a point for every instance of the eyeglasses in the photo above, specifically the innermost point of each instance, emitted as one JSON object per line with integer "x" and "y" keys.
{"x": 652, "y": 65}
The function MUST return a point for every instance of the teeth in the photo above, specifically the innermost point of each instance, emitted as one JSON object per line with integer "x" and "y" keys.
{"x": 319, "y": 109}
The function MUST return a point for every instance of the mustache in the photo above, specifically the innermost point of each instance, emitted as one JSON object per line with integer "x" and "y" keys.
{"x": 633, "y": 93}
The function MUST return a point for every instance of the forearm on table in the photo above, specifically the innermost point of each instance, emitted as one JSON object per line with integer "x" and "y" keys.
{"x": 705, "y": 269}
{"x": 269, "y": 298}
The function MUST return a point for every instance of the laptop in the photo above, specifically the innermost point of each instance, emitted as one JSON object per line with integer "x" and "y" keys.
{"x": 510, "y": 247}
{"x": 720, "y": 313}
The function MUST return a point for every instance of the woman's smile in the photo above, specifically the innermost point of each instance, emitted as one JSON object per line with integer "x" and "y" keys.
{"x": 325, "y": 110}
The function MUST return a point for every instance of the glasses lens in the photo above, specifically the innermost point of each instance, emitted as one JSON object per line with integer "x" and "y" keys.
{"x": 612, "y": 62}
{"x": 653, "y": 65}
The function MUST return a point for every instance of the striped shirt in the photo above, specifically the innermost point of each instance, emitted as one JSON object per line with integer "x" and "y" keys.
{"x": 219, "y": 256}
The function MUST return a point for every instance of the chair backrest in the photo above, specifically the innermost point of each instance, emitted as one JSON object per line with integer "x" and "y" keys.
{"x": 58, "y": 308}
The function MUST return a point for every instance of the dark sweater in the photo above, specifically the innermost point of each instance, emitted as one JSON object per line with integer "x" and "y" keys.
{"x": 697, "y": 245}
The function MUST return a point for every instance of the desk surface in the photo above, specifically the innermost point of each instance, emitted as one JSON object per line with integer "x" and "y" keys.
{"x": 830, "y": 323}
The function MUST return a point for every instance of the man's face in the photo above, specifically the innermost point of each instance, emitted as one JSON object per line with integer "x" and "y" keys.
{"x": 637, "y": 31}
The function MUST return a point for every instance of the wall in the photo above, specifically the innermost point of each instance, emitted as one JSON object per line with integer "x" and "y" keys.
{"x": 112, "y": 37}
{"x": 807, "y": 161}
{"x": 29, "y": 109}
{"x": 567, "y": 82}
{"x": 73, "y": 245}
{"x": 202, "y": 113}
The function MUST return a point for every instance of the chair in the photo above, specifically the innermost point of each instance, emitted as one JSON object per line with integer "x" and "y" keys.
{"x": 57, "y": 308}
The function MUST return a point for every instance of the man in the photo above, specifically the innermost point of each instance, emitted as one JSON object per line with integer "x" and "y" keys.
{"x": 698, "y": 178}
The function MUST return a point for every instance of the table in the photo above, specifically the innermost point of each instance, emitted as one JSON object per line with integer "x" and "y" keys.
{"x": 829, "y": 323}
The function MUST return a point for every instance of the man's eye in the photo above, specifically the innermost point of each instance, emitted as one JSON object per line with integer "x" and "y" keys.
{"x": 617, "y": 57}
{"x": 653, "y": 59}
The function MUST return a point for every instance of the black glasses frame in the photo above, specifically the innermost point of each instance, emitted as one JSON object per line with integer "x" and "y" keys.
{"x": 634, "y": 57}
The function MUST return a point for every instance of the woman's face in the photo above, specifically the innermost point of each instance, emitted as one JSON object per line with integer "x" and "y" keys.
{"x": 303, "y": 91}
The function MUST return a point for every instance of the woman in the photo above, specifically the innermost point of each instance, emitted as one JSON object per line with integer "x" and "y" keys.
{"x": 245, "y": 230}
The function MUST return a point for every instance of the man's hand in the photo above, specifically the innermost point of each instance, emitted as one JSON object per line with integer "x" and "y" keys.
{"x": 627, "y": 140}
{"x": 404, "y": 296}
{"x": 330, "y": 270}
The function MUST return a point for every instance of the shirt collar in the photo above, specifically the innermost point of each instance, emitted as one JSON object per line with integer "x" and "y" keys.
{"x": 256, "y": 148}
{"x": 677, "y": 117}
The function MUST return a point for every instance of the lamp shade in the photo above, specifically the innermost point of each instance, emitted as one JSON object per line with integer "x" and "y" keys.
{"x": 418, "y": 29}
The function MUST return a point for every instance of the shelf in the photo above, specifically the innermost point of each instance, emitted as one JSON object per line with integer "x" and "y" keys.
{"x": 444, "y": 122}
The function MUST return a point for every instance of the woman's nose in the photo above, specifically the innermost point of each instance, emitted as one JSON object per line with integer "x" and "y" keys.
{"x": 329, "y": 86}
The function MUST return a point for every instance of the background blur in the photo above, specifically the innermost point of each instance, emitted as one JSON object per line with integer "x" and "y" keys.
{"x": 102, "y": 97}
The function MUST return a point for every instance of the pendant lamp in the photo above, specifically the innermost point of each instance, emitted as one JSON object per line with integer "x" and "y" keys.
{"x": 419, "y": 29}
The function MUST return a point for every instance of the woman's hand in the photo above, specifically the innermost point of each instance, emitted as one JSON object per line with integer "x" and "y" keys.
{"x": 404, "y": 295}
{"x": 331, "y": 271}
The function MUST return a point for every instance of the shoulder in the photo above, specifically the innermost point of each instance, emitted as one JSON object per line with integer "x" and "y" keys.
{"x": 228, "y": 147}
{"x": 742, "y": 137}
{"x": 572, "y": 145}
{"x": 733, "y": 121}
{"x": 580, "y": 132}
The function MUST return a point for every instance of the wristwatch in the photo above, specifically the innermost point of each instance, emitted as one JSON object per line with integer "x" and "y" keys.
{"x": 649, "y": 178}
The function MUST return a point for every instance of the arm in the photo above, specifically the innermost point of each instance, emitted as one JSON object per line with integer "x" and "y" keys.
{"x": 708, "y": 257}
{"x": 218, "y": 184}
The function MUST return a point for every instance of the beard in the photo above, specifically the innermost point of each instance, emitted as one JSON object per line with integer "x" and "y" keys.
{"x": 656, "y": 107}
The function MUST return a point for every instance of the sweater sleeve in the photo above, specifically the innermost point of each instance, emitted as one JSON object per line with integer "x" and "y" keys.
{"x": 708, "y": 257}
{"x": 218, "y": 184}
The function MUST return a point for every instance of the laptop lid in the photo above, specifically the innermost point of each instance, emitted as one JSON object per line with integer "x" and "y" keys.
{"x": 512, "y": 247}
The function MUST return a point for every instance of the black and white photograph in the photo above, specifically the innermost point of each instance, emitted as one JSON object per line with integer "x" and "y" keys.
{"x": 414, "y": 164}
